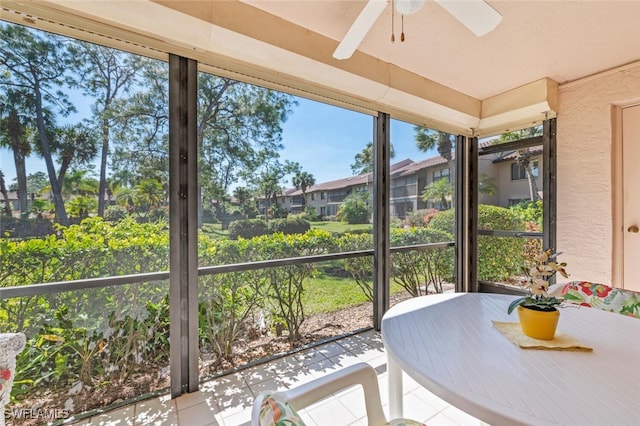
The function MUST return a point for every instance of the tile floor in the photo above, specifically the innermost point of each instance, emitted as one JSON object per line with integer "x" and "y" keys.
{"x": 226, "y": 401}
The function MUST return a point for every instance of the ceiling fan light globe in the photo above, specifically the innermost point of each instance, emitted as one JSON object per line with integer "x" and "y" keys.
{"x": 407, "y": 7}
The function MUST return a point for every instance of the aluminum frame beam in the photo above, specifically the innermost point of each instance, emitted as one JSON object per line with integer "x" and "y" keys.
{"x": 183, "y": 221}
{"x": 381, "y": 213}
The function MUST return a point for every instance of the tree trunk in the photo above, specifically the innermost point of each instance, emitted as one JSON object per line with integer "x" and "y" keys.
{"x": 58, "y": 202}
{"x": 533, "y": 187}
{"x": 5, "y": 194}
{"x": 20, "y": 148}
{"x": 21, "y": 177}
{"x": 102, "y": 189}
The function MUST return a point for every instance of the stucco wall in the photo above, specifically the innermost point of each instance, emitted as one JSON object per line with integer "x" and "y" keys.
{"x": 584, "y": 134}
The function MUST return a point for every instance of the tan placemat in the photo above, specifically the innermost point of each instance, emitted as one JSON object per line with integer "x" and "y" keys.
{"x": 561, "y": 341}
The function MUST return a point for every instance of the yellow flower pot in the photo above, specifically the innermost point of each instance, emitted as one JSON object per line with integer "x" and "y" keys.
{"x": 538, "y": 324}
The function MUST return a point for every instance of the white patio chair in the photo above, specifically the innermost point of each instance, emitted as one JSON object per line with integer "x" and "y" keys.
{"x": 11, "y": 344}
{"x": 270, "y": 408}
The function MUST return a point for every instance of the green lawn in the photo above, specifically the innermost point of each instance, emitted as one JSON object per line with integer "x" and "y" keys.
{"x": 327, "y": 294}
{"x": 214, "y": 230}
{"x": 339, "y": 227}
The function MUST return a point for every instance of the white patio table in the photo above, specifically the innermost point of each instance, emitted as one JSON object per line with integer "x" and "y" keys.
{"x": 448, "y": 344}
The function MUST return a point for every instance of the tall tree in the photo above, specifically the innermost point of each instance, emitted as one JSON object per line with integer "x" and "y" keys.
{"x": 15, "y": 118}
{"x": 239, "y": 129}
{"x": 107, "y": 74}
{"x": 244, "y": 197}
{"x": 523, "y": 156}
{"x": 140, "y": 131}
{"x": 303, "y": 180}
{"x": 427, "y": 139}
{"x": 363, "y": 161}
{"x": 269, "y": 182}
{"x": 36, "y": 65}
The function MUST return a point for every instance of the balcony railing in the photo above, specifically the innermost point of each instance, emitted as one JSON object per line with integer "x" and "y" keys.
{"x": 404, "y": 191}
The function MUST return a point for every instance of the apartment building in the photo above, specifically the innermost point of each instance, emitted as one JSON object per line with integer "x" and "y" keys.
{"x": 409, "y": 178}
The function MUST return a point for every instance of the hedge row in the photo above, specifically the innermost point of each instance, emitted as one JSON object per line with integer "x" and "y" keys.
{"x": 99, "y": 336}
{"x": 256, "y": 227}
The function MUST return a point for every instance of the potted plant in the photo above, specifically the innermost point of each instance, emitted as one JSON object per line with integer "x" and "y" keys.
{"x": 537, "y": 311}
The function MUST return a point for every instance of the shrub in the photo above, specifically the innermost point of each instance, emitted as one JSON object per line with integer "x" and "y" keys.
{"x": 417, "y": 270}
{"x": 499, "y": 258}
{"x": 289, "y": 226}
{"x": 283, "y": 292}
{"x": 227, "y": 300}
{"x": 248, "y": 228}
{"x": 209, "y": 215}
{"x": 531, "y": 212}
{"x": 26, "y": 228}
{"x": 420, "y": 217}
{"x": 360, "y": 268}
{"x": 309, "y": 213}
{"x": 115, "y": 213}
{"x": 279, "y": 212}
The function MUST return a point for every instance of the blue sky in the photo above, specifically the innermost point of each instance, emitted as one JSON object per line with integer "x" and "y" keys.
{"x": 324, "y": 139}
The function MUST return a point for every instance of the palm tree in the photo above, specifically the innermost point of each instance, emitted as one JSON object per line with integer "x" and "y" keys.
{"x": 14, "y": 133}
{"x": 79, "y": 182}
{"x": 73, "y": 144}
{"x": 486, "y": 184}
{"x": 523, "y": 156}
{"x": 149, "y": 194}
{"x": 40, "y": 206}
{"x": 302, "y": 181}
{"x": 37, "y": 67}
{"x": 125, "y": 197}
{"x": 439, "y": 191}
{"x": 363, "y": 161}
{"x": 427, "y": 139}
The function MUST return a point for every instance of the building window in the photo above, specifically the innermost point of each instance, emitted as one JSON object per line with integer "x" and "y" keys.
{"x": 313, "y": 196}
{"x": 441, "y": 174}
{"x": 518, "y": 170}
{"x": 323, "y": 195}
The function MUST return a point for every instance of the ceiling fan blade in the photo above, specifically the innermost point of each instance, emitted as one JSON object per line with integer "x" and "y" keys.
{"x": 360, "y": 27}
{"x": 477, "y": 15}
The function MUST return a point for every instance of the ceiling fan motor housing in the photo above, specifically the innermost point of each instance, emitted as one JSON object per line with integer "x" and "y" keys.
{"x": 407, "y": 7}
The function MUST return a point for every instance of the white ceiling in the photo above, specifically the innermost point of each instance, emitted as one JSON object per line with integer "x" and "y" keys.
{"x": 563, "y": 40}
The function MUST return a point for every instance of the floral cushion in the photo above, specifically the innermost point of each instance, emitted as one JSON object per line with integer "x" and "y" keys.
{"x": 5, "y": 377}
{"x": 601, "y": 296}
{"x": 275, "y": 410}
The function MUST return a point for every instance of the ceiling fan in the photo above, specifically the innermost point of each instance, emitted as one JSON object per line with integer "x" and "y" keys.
{"x": 477, "y": 15}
